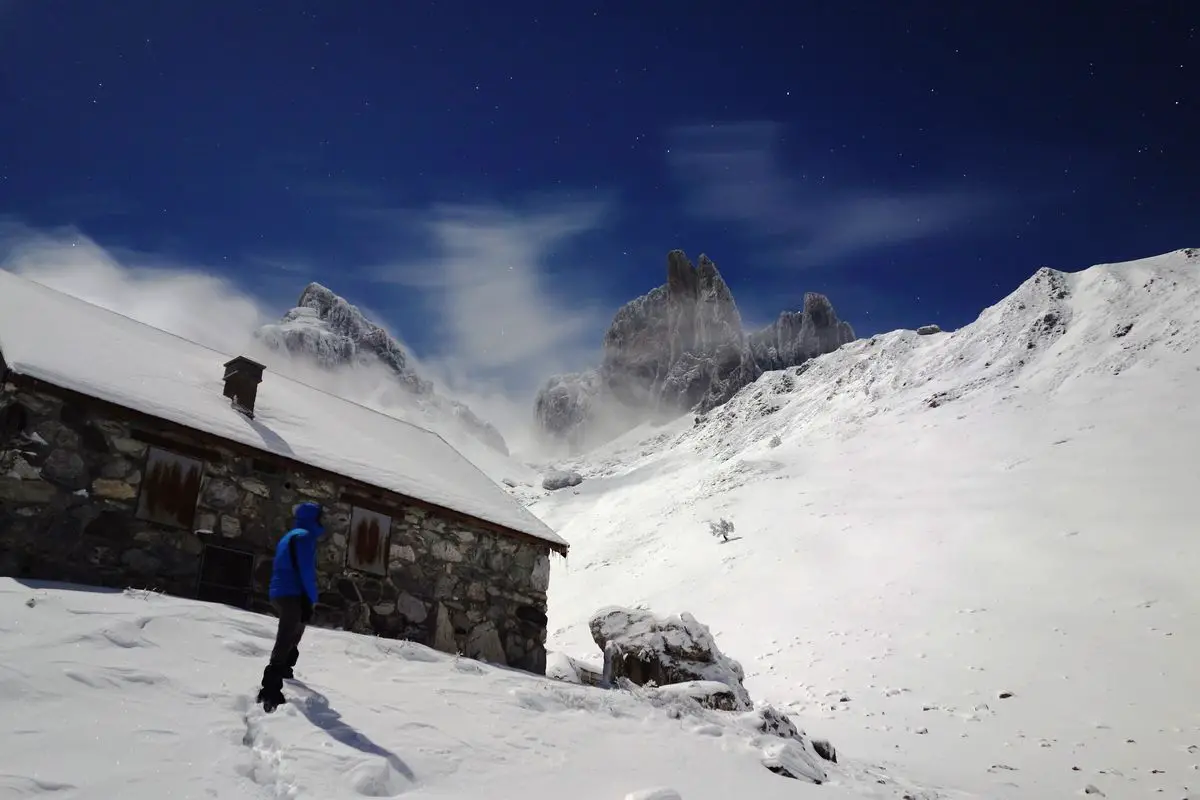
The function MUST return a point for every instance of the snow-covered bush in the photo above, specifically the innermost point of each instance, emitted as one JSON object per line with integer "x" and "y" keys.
{"x": 721, "y": 529}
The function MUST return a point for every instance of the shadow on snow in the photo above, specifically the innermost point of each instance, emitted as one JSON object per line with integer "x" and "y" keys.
{"x": 316, "y": 709}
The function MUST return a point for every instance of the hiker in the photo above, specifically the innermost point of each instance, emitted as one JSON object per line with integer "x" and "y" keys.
{"x": 293, "y": 593}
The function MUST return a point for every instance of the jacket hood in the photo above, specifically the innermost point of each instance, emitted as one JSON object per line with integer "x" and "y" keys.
{"x": 308, "y": 516}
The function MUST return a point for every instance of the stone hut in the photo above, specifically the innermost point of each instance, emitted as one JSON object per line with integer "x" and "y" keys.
{"x": 130, "y": 457}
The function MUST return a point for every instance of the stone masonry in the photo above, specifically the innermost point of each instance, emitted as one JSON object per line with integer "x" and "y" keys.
{"x": 85, "y": 487}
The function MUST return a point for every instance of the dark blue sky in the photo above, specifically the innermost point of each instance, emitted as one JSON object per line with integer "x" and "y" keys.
{"x": 915, "y": 164}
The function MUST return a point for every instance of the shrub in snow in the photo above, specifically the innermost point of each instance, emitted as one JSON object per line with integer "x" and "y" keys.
{"x": 721, "y": 529}
{"x": 558, "y": 479}
{"x": 643, "y": 648}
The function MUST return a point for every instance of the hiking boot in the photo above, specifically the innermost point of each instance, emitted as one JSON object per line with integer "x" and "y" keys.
{"x": 270, "y": 699}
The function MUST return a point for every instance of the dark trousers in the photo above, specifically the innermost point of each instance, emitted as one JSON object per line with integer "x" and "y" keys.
{"x": 293, "y": 617}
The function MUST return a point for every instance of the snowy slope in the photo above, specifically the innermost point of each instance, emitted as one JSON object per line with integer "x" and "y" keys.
{"x": 974, "y": 551}
{"x": 141, "y": 697}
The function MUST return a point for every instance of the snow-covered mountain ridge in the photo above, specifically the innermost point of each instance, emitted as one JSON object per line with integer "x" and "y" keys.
{"x": 1125, "y": 315}
{"x": 975, "y": 547}
{"x": 327, "y": 331}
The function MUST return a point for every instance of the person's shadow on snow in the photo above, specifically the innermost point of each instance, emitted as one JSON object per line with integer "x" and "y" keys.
{"x": 316, "y": 709}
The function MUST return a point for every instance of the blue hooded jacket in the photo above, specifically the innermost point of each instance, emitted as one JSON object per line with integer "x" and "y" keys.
{"x": 300, "y": 542}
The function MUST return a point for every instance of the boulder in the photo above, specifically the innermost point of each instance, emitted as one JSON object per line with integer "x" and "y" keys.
{"x": 560, "y": 479}
{"x": 792, "y": 760}
{"x": 643, "y": 648}
{"x": 928, "y": 330}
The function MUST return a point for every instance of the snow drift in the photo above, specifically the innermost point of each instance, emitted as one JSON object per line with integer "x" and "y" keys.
{"x": 108, "y": 694}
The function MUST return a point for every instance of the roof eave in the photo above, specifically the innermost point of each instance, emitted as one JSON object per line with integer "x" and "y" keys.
{"x": 38, "y": 383}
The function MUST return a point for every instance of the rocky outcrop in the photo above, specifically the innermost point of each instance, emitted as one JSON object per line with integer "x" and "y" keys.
{"x": 330, "y": 332}
{"x": 642, "y": 648}
{"x": 798, "y": 336}
{"x": 560, "y": 479}
{"x": 680, "y": 347}
{"x": 566, "y": 404}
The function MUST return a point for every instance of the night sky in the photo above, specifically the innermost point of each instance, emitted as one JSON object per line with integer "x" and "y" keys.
{"x": 914, "y": 161}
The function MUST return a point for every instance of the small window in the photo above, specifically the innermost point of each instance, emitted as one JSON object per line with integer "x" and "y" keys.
{"x": 226, "y": 576}
{"x": 170, "y": 489}
{"x": 368, "y": 541}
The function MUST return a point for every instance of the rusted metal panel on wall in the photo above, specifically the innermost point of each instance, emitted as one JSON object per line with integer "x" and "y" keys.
{"x": 368, "y": 541}
{"x": 170, "y": 489}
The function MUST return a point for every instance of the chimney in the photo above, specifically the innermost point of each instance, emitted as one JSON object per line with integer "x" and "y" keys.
{"x": 242, "y": 377}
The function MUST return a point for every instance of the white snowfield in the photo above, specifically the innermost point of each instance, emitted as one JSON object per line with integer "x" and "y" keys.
{"x": 136, "y": 696}
{"x": 968, "y": 560}
{"x": 73, "y": 344}
{"x": 974, "y": 554}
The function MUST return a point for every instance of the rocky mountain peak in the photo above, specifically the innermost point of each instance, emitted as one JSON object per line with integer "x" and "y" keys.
{"x": 682, "y": 346}
{"x": 327, "y": 330}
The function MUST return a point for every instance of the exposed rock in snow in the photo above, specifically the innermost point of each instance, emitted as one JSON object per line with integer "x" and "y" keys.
{"x": 564, "y": 405}
{"x": 709, "y": 694}
{"x": 928, "y": 330}
{"x": 680, "y": 346}
{"x": 642, "y": 647}
{"x": 657, "y": 793}
{"x": 559, "y": 479}
{"x": 792, "y": 760}
{"x": 561, "y": 667}
{"x": 332, "y": 333}
{"x": 771, "y": 721}
{"x": 798, "y": 336}
{"x": 825, "y": 749}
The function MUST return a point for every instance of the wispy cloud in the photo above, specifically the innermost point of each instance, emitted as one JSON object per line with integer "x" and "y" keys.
{"x": 501, "y": 325}
{"x": 187, "y": 300}
{"x": 736, "y": 173}
{"x": 506, "y": 306}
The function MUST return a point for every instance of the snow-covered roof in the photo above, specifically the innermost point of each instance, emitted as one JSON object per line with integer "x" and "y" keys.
{"x": 53, "y": 337}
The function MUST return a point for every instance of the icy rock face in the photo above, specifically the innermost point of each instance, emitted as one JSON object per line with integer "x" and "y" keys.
{"x": 642, "y": 647}
{"x": 680, "y": 347}
{"x": 564, "y": 404}
{"x": 798, "y": 336}
{"x": 333, "y": 333}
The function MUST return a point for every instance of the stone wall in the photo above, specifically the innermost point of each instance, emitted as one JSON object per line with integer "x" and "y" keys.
{"x": 96, "y": 494}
